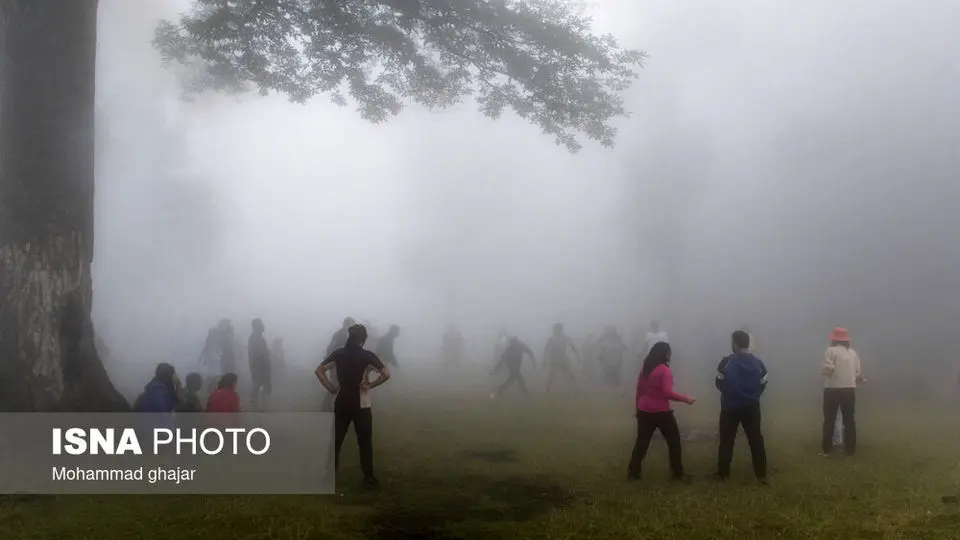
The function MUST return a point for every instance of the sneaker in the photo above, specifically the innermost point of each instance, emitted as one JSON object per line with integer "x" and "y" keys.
{"x": 763, "y": 481}
{"x": 721, "y": 478}
{"x": 633, "y": 477}
{"x": 824, "y": 454}
{"x": 685, "y": 478}
{"x": 371, "y": 483}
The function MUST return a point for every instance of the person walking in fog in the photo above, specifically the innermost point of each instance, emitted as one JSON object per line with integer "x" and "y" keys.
{"x": 741, "y": 379}
{"x": 259, "y": 358}
{"x": 385, "y": 346}
{"x": 654, "y": 394}
{"x": 557, "y": 356}
{"x": 512, "y": 357}
{"x": 841, "y": 373}
{"x": 352, "y": 403}
{"x": 610, "y": 352}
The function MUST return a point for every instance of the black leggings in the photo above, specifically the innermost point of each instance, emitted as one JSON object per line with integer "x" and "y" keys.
{"x": 647, "y": 423}
{"x": 362, "y": 420}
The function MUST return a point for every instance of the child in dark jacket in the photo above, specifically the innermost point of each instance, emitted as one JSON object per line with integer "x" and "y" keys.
{"x": 741, "y": 379}
{"x": 189, "y": 399}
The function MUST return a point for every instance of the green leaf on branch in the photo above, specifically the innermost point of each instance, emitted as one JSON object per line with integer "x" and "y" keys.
{"x": 538, "y": 58}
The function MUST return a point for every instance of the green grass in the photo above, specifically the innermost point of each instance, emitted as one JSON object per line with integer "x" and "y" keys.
{"x": 457, "y": 465}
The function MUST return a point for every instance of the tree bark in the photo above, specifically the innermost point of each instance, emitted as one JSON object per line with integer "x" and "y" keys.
{"x": 48, "y": 360}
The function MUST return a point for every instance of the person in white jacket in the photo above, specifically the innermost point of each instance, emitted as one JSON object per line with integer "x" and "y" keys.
{"x": 841, "y": 373}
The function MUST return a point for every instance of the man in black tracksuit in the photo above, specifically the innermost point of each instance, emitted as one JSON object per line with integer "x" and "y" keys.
{"x": 741, "y": 379}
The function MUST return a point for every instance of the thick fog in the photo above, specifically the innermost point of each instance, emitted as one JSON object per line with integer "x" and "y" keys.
{"x": 791, "y": 167}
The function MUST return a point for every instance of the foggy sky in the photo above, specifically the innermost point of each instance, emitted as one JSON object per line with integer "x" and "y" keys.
{"x": 792, "y": 167}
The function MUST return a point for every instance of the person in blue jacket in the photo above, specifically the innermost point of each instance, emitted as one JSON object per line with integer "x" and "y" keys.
{"x": 159, "y": 398}
{"x": 160, "y": 394}
{"x": 741, "y": 379}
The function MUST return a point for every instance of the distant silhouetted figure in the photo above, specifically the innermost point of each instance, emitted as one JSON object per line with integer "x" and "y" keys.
{"x": 260, "y": 373}
{"x": 512, "y": 357}
{"x": 610, "y": 352}
{"x": 557, "y": 356}
{"x": 228, "y": 347}
{"x": 385, "y": 346}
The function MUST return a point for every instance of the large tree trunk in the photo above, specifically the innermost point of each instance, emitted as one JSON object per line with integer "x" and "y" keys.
{"x": 48, "y": 360}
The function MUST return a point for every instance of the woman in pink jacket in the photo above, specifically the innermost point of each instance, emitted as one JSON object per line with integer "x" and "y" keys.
{"x": 654, "y": 394}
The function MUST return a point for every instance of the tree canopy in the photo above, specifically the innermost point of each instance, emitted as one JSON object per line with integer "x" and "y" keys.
{"x": 536, "y": 57}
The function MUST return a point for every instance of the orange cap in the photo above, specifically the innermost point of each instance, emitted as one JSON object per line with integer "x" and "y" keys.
{"x": 839, "y": 334}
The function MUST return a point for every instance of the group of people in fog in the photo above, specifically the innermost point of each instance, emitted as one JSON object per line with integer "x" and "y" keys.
{"x": 166, "y": 394}
{"x": 741, "y": 379}
{"x": 345, "y": 356}
{"x": 609, "y": 353}
{"x": 354, "y": 364}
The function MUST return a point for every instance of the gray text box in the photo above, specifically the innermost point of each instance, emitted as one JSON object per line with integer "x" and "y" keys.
{"x": 195, "y": 453}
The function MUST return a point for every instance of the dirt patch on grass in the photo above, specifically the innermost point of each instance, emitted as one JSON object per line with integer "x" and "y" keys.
{"x": 480, "y": 501}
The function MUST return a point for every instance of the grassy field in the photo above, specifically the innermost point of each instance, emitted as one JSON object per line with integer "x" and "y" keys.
{"x": 456, "y": 465}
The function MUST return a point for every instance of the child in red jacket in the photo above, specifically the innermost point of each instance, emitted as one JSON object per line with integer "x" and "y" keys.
{"x": 224, "y": 401}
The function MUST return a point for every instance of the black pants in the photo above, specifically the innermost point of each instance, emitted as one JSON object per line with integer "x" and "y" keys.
{"x": 515, "y": 376}
{"x": 647, "y": 423}
{"x": 845, "y": 400}
{"x": 362, "y": 420}
{"x": 730, "y": 422}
